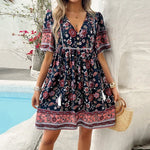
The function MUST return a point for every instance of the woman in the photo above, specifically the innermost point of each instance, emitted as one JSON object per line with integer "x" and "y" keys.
{"x": 78, "y": 89}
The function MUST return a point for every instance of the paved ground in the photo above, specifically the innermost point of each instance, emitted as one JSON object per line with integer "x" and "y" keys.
{"x": 15, "y": 74}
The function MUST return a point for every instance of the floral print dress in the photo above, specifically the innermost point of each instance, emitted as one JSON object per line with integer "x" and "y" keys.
{"x": 75, "y": 91}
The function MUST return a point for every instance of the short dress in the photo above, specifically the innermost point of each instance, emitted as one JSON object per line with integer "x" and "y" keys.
{"x": 75, "y": 91}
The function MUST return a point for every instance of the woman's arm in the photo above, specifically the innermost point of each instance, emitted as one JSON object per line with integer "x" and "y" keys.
{"x": 107, "y": 73}
{"x": 44, "y": 68}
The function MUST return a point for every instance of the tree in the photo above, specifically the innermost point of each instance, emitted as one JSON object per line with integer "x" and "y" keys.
{"x": 39, "y": 14}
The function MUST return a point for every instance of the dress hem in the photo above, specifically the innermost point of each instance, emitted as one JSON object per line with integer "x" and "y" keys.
{"x": 74, "y": 128}
{"x": 54, "y": 120}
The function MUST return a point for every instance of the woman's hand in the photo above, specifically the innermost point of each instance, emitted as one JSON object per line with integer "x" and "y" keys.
{"x": 115, "y": 93}
{"x": 35, "y": 99}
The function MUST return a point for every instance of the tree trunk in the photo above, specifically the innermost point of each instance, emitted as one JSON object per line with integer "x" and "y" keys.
{"x": 37, "y": 59}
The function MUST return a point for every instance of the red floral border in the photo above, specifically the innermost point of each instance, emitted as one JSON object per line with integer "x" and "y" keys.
{"x": 71, "y": 120}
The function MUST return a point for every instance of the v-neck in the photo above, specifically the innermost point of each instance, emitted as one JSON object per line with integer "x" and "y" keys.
{"x": 82, "y": 23}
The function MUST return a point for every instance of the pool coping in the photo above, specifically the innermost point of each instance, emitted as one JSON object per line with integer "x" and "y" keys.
{"x": 17, "y": 85}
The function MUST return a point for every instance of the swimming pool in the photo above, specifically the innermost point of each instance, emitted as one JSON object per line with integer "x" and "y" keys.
{"x": 15, "y": 103}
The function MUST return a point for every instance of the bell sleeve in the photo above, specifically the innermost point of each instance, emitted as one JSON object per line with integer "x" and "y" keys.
{"x": 102, "y": 42}
{"x": 47, "y": 40}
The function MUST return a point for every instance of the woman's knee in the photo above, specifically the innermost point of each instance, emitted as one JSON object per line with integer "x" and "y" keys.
{"x": 49, "y": 136}
{"x": 85, "y": 132}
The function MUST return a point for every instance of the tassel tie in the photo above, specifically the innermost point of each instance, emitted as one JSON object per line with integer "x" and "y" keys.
{"x": 59, "y": 100}
{"x": 104, "y": 97}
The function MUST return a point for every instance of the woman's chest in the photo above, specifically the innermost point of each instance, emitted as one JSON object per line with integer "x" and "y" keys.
{"x": 70, "y": 38}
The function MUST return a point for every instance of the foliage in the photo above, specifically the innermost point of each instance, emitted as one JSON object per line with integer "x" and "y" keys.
{"x": 36, "y": 13}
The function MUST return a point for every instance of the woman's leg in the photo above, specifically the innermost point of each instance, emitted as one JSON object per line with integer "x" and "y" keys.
{"x": 48, "y": 139}
{"x": 84, "y": 141}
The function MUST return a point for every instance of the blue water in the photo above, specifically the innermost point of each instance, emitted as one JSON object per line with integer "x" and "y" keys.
{"x": 15, "y": 107}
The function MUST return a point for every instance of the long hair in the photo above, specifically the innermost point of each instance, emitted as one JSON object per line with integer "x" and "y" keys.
{"x": 59, "y": 12}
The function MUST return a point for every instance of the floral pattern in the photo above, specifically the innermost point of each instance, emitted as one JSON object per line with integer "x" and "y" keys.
{"x": 75, "y": 91}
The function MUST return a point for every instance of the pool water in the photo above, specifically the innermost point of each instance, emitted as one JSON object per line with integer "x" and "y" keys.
{"x": 15, "y": 107}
